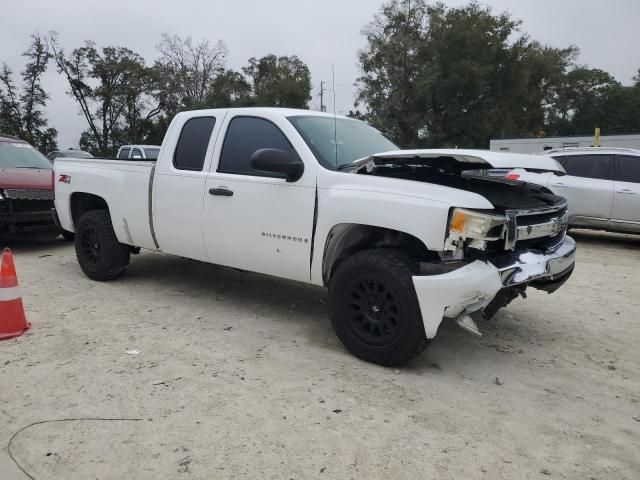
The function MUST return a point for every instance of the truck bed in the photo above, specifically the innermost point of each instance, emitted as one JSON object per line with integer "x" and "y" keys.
{"x": 126, "y": 189}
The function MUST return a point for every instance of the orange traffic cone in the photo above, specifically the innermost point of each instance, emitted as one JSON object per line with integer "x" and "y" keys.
{"x": 12, "y": 320}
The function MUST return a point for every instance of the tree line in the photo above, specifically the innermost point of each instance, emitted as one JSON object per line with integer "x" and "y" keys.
{"x": 439, "y": 76}
{"x": 431, "y": 76}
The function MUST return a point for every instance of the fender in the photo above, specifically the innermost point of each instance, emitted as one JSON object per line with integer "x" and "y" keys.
{"x": 418, "y": 209}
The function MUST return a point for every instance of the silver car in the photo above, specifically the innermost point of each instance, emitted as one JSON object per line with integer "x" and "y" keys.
{"x": 601, "y": 185}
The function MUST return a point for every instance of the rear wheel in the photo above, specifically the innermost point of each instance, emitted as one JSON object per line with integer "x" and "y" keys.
{"x": 374, "y": 308}
{"x": 99, "y": 253}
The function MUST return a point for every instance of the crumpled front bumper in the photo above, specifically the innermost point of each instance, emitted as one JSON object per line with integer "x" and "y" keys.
{"x": 472, "y": 287}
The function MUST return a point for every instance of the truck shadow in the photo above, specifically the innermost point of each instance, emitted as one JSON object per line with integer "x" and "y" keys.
{"x": 302, "y": 309}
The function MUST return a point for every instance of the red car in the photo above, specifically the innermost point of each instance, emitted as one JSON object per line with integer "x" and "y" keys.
{"x": 26, "y": 189}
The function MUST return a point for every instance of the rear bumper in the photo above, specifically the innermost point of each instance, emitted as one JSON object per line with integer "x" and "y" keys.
{"x": 473, "y": 287}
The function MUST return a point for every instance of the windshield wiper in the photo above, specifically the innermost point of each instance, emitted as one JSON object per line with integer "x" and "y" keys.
{"x": 33, "y": 168}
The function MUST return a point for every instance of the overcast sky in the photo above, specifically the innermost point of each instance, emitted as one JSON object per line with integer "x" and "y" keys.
{"x": 322, "y": 33}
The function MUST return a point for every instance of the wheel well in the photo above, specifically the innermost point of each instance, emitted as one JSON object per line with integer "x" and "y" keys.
{"x": 348, "y": 238}
{"x": 83, "y": 202}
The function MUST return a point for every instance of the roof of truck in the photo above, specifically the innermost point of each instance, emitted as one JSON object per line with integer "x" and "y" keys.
{"x": 285, "y": 112}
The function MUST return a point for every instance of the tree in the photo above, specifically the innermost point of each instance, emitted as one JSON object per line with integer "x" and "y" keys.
{"x": 115, "y": 91}
{"x": 279, "y": 81}
{"x": 396, "y": 78}
{"x": 439, "y": 76}
{"x": 614, "y": 108}
{"x": 21, "y": 108}
{"x": 189, "y": 69}
{"x": 229, "y": 89}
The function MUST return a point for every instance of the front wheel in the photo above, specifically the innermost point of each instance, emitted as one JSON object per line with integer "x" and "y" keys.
{"x": 374, "y": 308}
{"x": 99, "y": 253}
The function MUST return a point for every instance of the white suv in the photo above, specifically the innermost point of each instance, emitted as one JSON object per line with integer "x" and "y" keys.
{"x": 602, "y": 186}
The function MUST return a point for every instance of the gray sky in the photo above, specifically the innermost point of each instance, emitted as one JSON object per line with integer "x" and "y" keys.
{"x": 322, "y": 33}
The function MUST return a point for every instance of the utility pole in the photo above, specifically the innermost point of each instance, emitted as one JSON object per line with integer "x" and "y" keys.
{"x": 323, "y": 107}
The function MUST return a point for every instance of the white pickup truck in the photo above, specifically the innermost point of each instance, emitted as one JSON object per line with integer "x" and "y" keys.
{"x": 402, "y": 239}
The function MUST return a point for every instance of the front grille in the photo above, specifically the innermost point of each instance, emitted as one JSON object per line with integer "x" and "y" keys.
{"x": 534, "y": 219}
{"x": 28, "y": 194}
{"x": 538, "y": 229}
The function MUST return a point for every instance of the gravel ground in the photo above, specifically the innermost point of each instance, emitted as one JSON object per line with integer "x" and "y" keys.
{"x": 238, "y": 375}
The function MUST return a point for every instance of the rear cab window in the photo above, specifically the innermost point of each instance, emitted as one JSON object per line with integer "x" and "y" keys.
{"x": 244, "y": 136}
{"x": 191, "y": 149}
{"x": 124, "y": 154}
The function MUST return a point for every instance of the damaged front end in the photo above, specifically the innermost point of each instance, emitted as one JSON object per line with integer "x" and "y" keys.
{"x": 492, "y": 258}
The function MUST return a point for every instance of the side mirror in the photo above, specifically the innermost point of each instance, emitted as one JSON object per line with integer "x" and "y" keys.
{"x": 272, "y": 160}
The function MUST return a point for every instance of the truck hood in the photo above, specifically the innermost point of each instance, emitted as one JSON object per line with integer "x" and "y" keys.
{"x": 452, "y": 175}
{"x": 26, "y": 178}
{"x": 467, "y": 159}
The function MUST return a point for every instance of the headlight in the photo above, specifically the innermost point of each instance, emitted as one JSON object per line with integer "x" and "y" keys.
{"x": 477, "y": 227}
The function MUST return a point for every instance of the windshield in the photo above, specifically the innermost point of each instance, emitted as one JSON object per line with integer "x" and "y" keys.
{"x": 355, "y": 139}
{"x": 21, "y": 155}
{"x": 151, "y": 153}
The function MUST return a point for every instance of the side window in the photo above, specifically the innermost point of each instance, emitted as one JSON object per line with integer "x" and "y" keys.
{"x": 562, "y": 161}
{"x": 244, "y": 136}
{"x": 192, "y": 145}
{"x": 136, "y": 153}
{"x": 588, "y": 166}
{"x": 124, "y": 153}
{"x": 629, "y": 169}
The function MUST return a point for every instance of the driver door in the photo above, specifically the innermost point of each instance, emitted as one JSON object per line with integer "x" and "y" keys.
{"x": 254, "y": 220}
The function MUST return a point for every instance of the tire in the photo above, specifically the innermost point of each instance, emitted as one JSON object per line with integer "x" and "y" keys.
{"x": 68, "y": 236}
{"x": 374, "y": 308}
{"x": 99, "y": 253}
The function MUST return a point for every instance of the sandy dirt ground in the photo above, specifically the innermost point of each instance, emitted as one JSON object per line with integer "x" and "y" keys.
{"x": 239, "y": 375}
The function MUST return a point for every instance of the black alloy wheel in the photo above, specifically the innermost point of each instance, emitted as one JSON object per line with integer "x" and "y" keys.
{"x": 371, "y": 310}
{"x": 90, "y": 244}
{"x": 374, "y": 307}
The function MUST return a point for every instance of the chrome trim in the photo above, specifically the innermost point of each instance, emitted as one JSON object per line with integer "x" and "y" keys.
{"x": 546, "y": 229}
{"x": 550, "y": 228}
{"x": 529, "y": 266}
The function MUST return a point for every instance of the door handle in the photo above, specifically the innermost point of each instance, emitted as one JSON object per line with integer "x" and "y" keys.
{"x": 626, "y": 191}
{"x": 224, "y": 192}
{"x": 561, "y": 185}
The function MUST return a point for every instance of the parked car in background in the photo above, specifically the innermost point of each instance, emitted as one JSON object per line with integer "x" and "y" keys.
{"x": 400, "y": 237}
{"x": 71, "y": 153}
{"x": 138, "y": 152}
{"x": 26, "y": 189}
{"x": 601, "y": 185}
